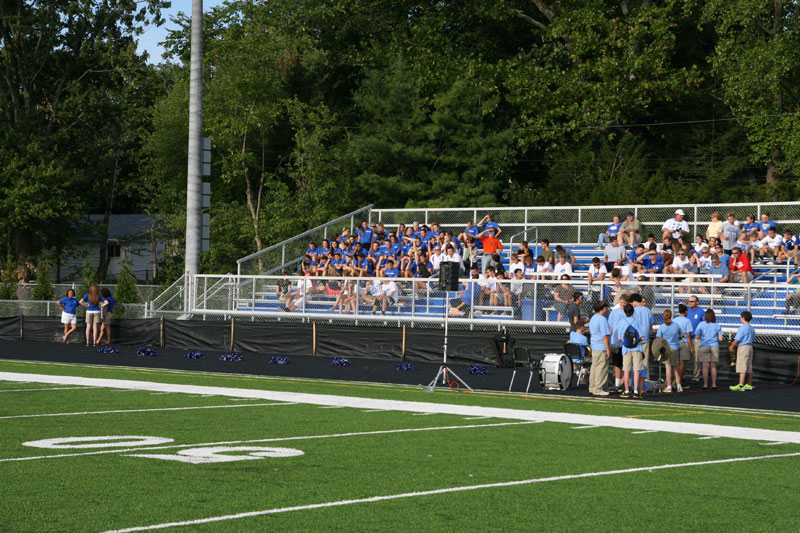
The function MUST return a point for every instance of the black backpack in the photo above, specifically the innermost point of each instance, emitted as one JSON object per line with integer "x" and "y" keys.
{"x": 630, "y": 339}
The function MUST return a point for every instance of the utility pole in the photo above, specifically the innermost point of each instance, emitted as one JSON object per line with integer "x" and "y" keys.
{"x": 194, "y": 185}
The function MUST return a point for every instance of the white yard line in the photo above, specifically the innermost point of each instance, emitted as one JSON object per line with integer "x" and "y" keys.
{"x": 643, "y": 432}
{"x": 585, "y": 427}
{"x": 144, "y": 410}
{"x": 685, "y": 428}
{"x": 277, "y": 439}
{"x": 446, "y": 491}
{"x": 45, "y": 389}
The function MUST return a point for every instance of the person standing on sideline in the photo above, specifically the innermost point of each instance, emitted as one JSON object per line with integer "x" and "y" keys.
{"x": 743, "y": 344}
{"x": 695, "y": 315}
{"x": 632, "y": 356}
{"x": 709, "y": 334}
{"x": 644, "y": 323}
{"x": 94, "y": 303}
{"x": 68, "y": 305}
{"x": 108, "y": 311}
{"x": 670, "y": 331}
{"x": 600, "y": 332}
{"x": 685, "y": 346}
{"x": 617, "y": 314}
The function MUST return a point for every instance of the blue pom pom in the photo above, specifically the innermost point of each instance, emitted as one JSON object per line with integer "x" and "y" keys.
{"x": 107, "y": 350}
{"x": 275, "y": 360}
{"x": 340, "y": 361}
{"x": 146, "y": 352}
{"x": 194, "y": 355}
{"x": 232, "y": 357}
{"x": 405, "y": 367}
{"x": 477, "y": 369}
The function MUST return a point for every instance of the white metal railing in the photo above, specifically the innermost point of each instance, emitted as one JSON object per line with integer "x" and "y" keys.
{"x": 582, "y": 224}
{"x": 290, "y": 251}
{"x": 420, "y": 301}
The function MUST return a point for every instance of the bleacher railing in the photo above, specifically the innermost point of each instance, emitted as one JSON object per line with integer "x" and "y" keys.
{"x": 536, "y": 306}
{"x": 582, "y": 224}
{"x": 286, "y": 253}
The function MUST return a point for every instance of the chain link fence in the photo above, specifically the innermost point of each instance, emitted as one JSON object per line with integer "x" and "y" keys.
{"x": 43, "y": 308}
{"x": 146, "y": 292}
{"x": 537, "y": 306}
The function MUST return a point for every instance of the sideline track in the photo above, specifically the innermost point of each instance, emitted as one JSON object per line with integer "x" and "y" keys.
{"x": 702, "y": 430}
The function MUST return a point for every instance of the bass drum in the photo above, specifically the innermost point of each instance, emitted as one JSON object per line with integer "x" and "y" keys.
{"x": 556, "y": 372}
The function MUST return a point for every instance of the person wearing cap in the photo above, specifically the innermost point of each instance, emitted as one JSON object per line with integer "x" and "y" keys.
{"x": 631, "y": 230}
{"x": 676, "y": 226}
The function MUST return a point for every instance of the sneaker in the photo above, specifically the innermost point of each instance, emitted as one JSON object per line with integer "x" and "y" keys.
{"x": 619, "y": 389}
{"x": 598, "y": 248}
{"x": 679, "y": 388}
{"x": 668, "y": 389}
{"x": 737, "y": 387}
{"x": 638, "y": 395}
{"x": 601, "y": 393}
{"x": 626, "y": 394}
{"x": 748, "y": 387}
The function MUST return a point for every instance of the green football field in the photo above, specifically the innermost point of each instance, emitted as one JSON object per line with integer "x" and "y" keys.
{"x": 91, "y": 448}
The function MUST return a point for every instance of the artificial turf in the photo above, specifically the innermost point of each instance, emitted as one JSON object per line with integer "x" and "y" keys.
{"x": 102, "y": 491}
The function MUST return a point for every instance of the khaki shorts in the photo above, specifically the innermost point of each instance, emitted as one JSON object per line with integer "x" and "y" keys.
{"x": 633, "y": 361}
{"x": 673, "y": 357}
{"x": 744, "y": 359}
{"x": 93, "y": 317}
{"x": 107, "y": 319}
{"x": 683, "y": 352}
{"x": 708, "y": 354}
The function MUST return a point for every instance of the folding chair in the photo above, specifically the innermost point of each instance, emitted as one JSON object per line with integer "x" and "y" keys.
{"x": 522, "y": 358}
{"x": 573, "y": 351}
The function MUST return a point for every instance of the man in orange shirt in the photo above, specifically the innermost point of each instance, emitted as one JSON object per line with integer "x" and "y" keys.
{"x": 491, "y": 246}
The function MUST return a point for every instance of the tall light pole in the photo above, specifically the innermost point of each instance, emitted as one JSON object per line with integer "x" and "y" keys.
{"x": 194, "y": 184}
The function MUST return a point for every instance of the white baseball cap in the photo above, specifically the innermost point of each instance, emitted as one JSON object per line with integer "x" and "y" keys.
{"x": 680, "y": 212}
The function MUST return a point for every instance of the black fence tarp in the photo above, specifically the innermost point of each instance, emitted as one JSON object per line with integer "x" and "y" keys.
{"x": 771, "y": 364}
{"x": 124, "y": 332}
{"x": 10, "y": 328}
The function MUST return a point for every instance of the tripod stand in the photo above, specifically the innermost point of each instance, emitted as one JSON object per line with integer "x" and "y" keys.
{"x": 444, "y": 372}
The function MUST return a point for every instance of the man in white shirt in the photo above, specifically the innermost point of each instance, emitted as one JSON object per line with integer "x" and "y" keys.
{"x": 769, "y": 247}
{"x": 676, "y": 226}
{"x": 435, "y": 258}
{"x": 514, "y": 265}
{"x": 386, "y": 297}
{"x": 450, "y": 256}
{"x": 544, "y": 269}
{"x": 562, "y": 266}
{"x": 597, "y": 273}
{"x": 300, "y": 296}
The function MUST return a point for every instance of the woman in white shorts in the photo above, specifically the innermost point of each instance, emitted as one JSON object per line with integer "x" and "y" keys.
{"x": 93, "y": 303}
{"x": 68, "y": 305}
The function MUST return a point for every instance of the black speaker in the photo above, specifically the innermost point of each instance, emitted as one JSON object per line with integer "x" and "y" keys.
{"x": 448, "y": 276}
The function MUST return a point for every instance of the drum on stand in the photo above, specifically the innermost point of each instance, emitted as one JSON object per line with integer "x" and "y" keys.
{"x": 556, "y": 371}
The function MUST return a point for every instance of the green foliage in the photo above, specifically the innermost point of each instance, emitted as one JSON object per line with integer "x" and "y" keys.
{"x": 88, "y": 278}
{"x": 8, "y": 282}
{"x": 125, "y": 291}
{"x": 43, "y": 290}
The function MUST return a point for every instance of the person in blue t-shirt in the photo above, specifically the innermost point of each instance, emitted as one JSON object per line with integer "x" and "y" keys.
{"x": 611, "y": 231}
{"x": 685, "y": 347}
{"x": 488, "y": 223}
{"x": 365, "y": 235}
{"x": 579, "y": 337}
{"x": 632, "y": 357}
{"x": 390, "y": 271}
{"x": 750, "y": 224}
{"x": 709, "y": 335}
{"x": 460, "y": 305}
{"x": 108, "y": 311}
{"x": 670, "y": 331}
{"x": 94, "y": 302}
{"x": 69, "y": 306}
{"x": 743, "y": 344}
{"x": 601, "y": 349}
{"x": 765, "y": 225}
{"x": 695, "y": 315}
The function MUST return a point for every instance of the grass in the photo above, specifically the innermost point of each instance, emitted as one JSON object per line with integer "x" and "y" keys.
{"x": 103, "y": 491}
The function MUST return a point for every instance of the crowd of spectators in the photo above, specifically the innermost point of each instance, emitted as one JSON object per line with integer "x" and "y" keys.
{"x": 724, "y": 254}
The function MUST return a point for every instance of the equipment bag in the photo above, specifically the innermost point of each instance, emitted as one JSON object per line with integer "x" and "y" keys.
{"x": 630, "y": 339}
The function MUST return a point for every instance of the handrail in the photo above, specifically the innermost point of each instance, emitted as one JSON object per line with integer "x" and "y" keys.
{"x": 300, "y": 236}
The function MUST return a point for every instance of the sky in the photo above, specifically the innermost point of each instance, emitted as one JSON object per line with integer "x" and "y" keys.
{"x": 153, "y": 35}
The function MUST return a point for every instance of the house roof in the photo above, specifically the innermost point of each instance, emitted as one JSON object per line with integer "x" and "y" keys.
{"x": 120, "y": 227}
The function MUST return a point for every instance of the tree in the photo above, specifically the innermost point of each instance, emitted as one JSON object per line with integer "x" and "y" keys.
{"x": 43, "y": 290}
{"x": 64, "y": 64}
